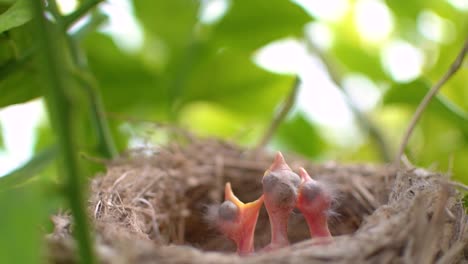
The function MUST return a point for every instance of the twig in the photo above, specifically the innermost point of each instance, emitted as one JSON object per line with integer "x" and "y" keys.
{"x": 286, "y": 107}
{"x": 97, "y": 209}
{"x": 153, "y": 217}
{"x": 430, "y": 237}
{"x": 363, "y": 120}
{"x": 457, "y": 185}
{"x": 422, "y": 106}
{"x": 453, "y": 253}
{"x": 106, "y": 146}
{"x": 70, "y": 19}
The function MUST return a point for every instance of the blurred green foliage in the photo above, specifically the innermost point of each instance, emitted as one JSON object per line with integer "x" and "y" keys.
{"x": 15, "y": 16}
{"x": 23, "y": 211}
{"x": 291, "y": 133}
{"x": 201, "y": 75}
{"x": 1, "y": 139}
{"x": 411, "y": 94}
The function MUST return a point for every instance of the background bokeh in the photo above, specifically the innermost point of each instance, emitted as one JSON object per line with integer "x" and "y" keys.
{"x": 224, "y": 68}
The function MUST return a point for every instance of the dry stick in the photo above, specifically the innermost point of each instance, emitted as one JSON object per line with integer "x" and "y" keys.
{"x": 458, "y": 185}
{"x": 422, "y": 106}
{"x": 432, "y": 235}
{"x": 363, "y": 120}
{"x": 286, "y": 107}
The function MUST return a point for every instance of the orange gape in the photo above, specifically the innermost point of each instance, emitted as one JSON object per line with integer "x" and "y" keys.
{"x": 283, "y": 190}
{"x": 237, "y": 220}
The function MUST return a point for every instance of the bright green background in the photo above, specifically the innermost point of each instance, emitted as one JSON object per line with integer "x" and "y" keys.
{"x": 202, "y": 77}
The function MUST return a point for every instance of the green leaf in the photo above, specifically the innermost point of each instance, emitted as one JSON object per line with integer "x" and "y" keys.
{"x": 28, "y": 170}
{"x": 404, "y": 9}
{"x": 412, "y": 93}
{"x": 300, "y": 135}
{"x": 18, "y": 14}
{"x": 460, "y": 164}
{"x": 210, "y": 119}
{"x": 170, "y": 21}
{"x": 227, "y": 77}
{"x": 231, "y": 79}
{"x": 6, "y": 2}
{"x": 126, "y": 85}
{"x": 354, "y": 55}
{"x": 20, "y": 85}
{"x": 20, "y": 80}
{"x": 20, "y": 225}
{"x": 250, "y": 24}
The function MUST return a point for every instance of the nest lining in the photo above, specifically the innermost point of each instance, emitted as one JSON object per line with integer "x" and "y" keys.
{"x": 149, "y": 208}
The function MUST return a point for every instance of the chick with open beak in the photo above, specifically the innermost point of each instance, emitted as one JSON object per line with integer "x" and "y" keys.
{"x": 237, "y": 220}
{"x": 314, "y": 201}
{"x": 280, "y": 189}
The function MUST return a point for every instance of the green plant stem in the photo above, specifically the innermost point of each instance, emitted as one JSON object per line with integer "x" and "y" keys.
{"x": 53, "y": 7}
{"x": 106, "y": 145}
{"x": 70, "y": 19}
{"x": 96, "y": 20}
{"x": 283, "y": 112}
{"x": 62, "y": 109}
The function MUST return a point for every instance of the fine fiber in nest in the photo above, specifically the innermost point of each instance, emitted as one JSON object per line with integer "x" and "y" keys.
{"x": 149, "y": 207}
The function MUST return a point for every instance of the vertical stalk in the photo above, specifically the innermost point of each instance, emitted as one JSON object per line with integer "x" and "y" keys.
{"x": 286, "y": 107}
{"x": 62, "y": 108}
{"x": 106, "y": 143}
{"x": 106, "y": 146}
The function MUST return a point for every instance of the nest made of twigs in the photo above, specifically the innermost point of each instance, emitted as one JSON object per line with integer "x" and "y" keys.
{"x": 149, "y": 208}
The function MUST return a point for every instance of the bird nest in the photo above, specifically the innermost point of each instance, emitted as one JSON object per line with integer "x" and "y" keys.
{"x": 149, "y": 207}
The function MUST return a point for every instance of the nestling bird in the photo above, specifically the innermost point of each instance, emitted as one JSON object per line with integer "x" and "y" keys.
{"x": 314, "y": 201}
{"x": 283, "y": 190}
{"x": 237, "y": 220}
{"x": 280, "y": 189}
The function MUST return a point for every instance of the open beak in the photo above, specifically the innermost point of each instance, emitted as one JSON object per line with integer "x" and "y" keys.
{"x": 241, "y": 226}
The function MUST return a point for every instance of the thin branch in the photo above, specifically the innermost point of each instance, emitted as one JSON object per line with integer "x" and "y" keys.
{"x": 54, "y": 9}
{"x": 70, "y": 19}
{"x": 91, "y": 25}
{"x": 457, "y": 185}
{"x": 422, "y": 106}
{"x": 106, "y": 145}
{"x": 286, "y": 107}
{"x": 363, "y": 120}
